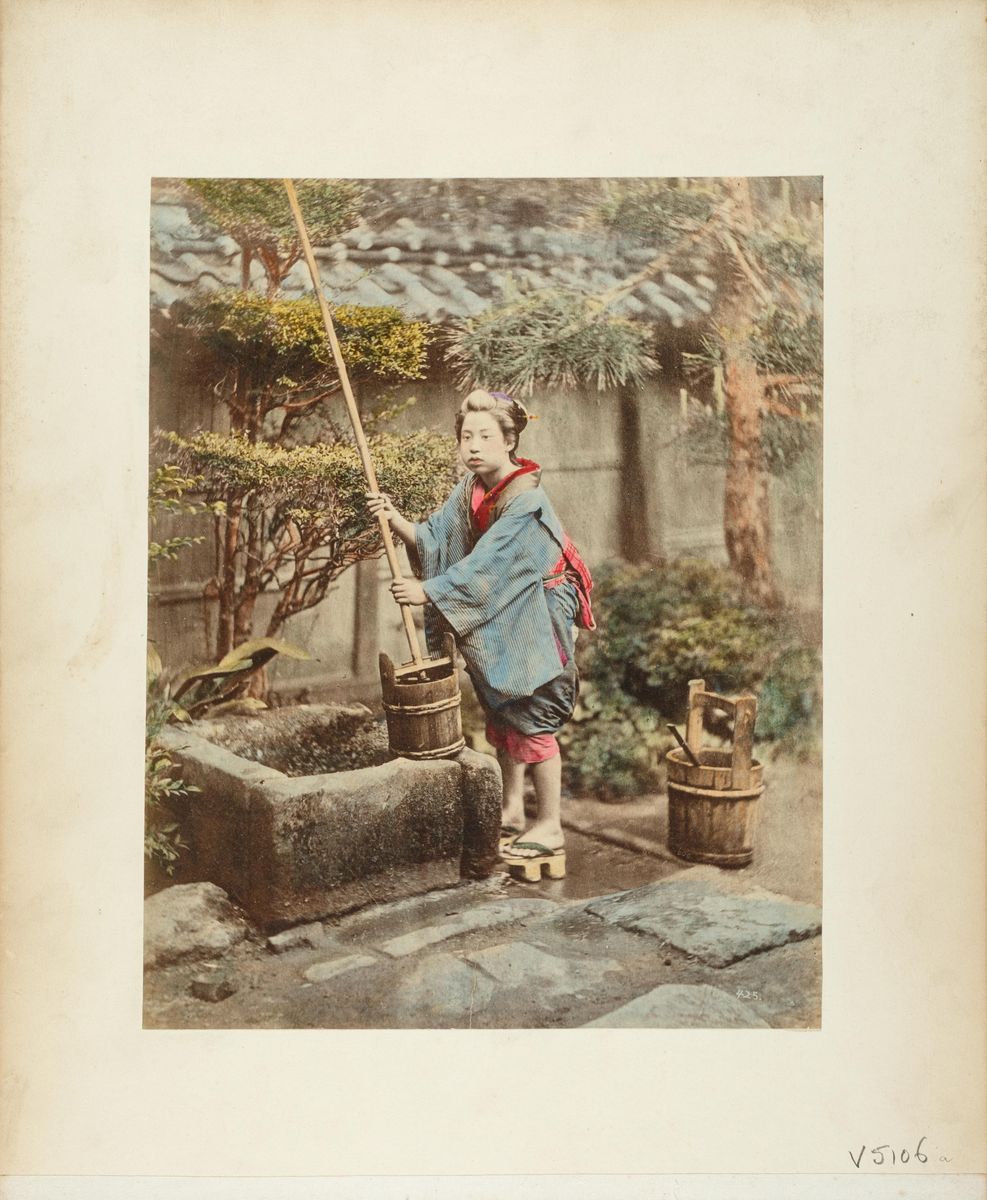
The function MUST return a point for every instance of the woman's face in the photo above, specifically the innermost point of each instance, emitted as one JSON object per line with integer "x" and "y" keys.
{"x": 483, "y": 447}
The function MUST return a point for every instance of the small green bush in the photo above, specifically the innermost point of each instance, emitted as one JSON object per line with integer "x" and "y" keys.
{"x": 790, "y": 702}
{"x": 612, "y": 747}
{"x": 659, "y": 627}
{"x": 164, "y": 790}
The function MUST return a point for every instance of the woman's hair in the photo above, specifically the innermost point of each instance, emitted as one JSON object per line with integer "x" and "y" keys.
{"x": 510, "y": 414}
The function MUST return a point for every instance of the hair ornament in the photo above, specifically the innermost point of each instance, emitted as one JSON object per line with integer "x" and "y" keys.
{"x": 519, "y": 413}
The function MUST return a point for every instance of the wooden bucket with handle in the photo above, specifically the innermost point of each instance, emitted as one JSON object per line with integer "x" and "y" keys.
{"x": 712, "y": 802}
{"x": 421, "y": 697}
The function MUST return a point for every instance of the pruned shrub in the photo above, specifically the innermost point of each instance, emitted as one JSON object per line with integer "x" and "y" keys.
{"x": 659, "y": 627}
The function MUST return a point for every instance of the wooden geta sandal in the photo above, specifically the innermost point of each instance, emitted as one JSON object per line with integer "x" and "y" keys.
{"x": 531, "y": 865}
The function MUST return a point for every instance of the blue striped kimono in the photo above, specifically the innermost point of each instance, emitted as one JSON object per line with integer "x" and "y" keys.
{"x": 512, "y": 632}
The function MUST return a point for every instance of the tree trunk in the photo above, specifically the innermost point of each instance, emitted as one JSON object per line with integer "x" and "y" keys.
{"x": 746, "y": 513}
{"x": 227, "y": 581}
{"x": 245, "y": 260}
{"x": 635, "y": 523}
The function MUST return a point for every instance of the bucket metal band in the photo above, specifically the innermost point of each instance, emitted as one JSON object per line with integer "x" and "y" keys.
{"x": 418, "y": 709}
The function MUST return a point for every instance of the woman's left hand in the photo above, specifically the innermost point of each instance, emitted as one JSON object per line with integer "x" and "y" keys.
{"x": 408, "y": 591}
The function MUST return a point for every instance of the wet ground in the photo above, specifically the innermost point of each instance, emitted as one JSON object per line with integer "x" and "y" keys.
{"x": 594, "y": 868}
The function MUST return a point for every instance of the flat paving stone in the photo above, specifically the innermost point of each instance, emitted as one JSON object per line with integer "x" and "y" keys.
{"x": 379, "y": 922}
{"x": 443, "y": 992}
{"x": 707, "y": 914}
{"x": 682, "y": 1006}
{"x": 483, "y": 916}
{"x": 520, "y": 965}
{"x": 323, "y": 971}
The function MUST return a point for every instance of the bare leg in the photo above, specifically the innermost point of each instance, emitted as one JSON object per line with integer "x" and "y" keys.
{"x": 512, "y": 810}
{"x": 547, "y": 828}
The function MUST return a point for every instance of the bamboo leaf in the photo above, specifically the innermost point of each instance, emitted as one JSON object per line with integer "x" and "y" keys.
{"x": 247, "y": 650}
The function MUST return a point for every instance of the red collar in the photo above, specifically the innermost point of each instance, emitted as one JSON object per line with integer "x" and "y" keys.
{"x": 483, "y": 512}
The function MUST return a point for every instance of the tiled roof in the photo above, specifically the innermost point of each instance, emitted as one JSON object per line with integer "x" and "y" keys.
{"x": 438, "y": 274}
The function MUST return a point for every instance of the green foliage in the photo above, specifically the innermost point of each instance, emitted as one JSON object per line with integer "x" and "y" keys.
{"x": 655, "y": 211}
{"x": 786, "y": 342}
{"x": 549, "y": 338}
{"x": 164, "y": 791}
{"x": 256, "y": 214}
{"x": 791, "y": 696}
{"x": 201, "y": 689}
{"x": 787, "y": 337}
{"x": 660, "y": 626}
{"x": 612, "y": 746}
{"x": 163, "y": 842}
{"x": 323, "y": 485}
{"x": 790, "y": 254}
{"x": 167, "y": 493}
{"x": 308, "y": 503}
{"x": 288, "y": 482}
{"x": 787, "y": 443}
{"x": 283, "y": 342}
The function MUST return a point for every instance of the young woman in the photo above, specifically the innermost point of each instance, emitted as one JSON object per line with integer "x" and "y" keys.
{"x": 496, "y": 567}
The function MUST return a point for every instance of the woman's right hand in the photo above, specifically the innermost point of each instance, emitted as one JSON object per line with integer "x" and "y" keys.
{"x": 380, "y": 505}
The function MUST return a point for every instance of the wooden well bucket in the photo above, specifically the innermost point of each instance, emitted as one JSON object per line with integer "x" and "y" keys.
{"x": 712, "y": 807}
{"x": 422, "y": 705}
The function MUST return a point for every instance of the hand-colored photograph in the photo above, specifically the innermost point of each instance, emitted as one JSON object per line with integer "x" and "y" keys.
{"x": 484, "y": 666}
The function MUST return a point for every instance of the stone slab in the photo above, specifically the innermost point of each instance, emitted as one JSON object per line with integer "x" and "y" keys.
{"x": 379, "y": 922}
{"x": 682, "y": 1006}
{"x": 544, "y": 977}
{"x": 310, "y": 937}
{"x": 717, "y": 919}
{"x": 441, "y": 991}
{"x": 324, "y": 971}
{"x": 483, "y": 916}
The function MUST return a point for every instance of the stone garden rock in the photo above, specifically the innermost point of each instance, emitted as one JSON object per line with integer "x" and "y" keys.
{"x": 190, "y": 920}
{"x": 682, "y": 1006}
{"x": 714, "y": 917}
{"x": 213, "y": 986}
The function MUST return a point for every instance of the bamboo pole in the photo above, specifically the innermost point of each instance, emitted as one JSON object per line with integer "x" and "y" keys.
{"x": 361, "y": 442}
